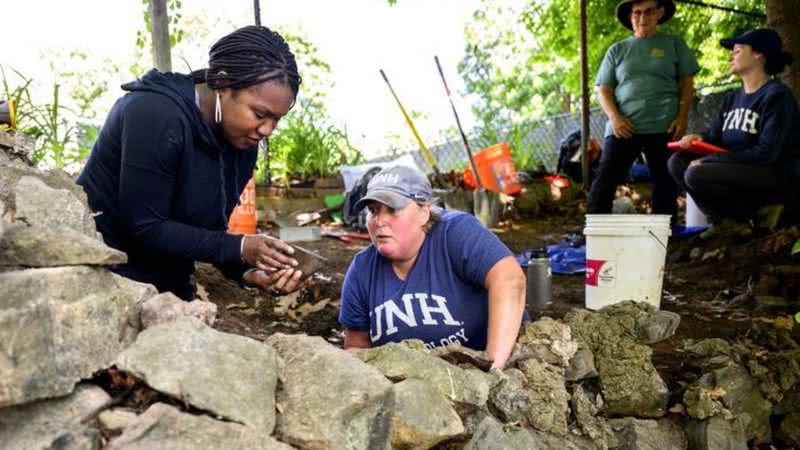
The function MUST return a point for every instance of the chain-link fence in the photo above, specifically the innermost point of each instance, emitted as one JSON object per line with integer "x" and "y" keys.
{"x": 533, "y": 144}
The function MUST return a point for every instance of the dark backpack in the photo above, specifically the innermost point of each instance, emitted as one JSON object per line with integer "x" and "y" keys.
{"x": 352, "y": 218}
{"x": 569, "y": 157}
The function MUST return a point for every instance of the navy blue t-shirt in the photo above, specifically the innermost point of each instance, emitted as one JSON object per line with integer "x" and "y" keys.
{"x": 761, "y": 128}
{"x": 443, "y": 299}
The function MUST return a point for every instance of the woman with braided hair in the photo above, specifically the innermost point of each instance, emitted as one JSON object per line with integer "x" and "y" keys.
{"x": 174, "y": 155}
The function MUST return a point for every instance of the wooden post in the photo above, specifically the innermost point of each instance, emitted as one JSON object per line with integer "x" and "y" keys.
{"x": 584, "y": 101}
{"x": 782, "y": 17}
{"x": 160, "y": 33}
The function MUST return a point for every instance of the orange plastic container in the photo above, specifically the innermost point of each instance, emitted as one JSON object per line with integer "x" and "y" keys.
{"x": 243, "y": 218}
{"x": 496, "y": 170}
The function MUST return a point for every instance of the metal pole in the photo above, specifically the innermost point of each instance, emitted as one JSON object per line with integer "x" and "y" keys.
{"x": 257, "y": 10}
{"x": 160, "y": 34}
{"x": 584, "y": 100}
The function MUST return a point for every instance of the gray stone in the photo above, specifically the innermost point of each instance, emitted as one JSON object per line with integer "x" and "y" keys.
{"x": 229, "y": 375}
{"x": 52, "y": 423}
{"x": 581, "y": 366}
{"x": 422, "y": 417}
{"x": 61, "y": 325}
{"x": 789, "y": 431}
{"x": 545, "y": 386}
{"x": 710, "y": 347}
{"x": 623, "y": 205}
{"x": 716, "y": 433}
{"x": 743, "y": 398}
{"x": 630, "y": 384}
{"x": 547, "y": 340}
{"x": 164, "y": 427}
{"x": 399, "y": 362}
{"x": 637, "y": 434}
{"x": 695, "y": 253}
{"x": 493, "y": 435}
{"x": 167, "y": 307}
{"x": 37, "y": 203}
{"x": 657, "y": 327}
{"x": 38, "y": 246}
{"x": 329, "y": 399}
{"x": 508, "y": 400}
{"x": 116, "y": 419}
{"x": 596, "y": 428}
{"x": 16, "y": 149}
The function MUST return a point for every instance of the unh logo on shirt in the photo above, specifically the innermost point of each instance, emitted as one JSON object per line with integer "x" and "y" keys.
{"x": 741, "y": 119}
{"x": 388, "y": 315}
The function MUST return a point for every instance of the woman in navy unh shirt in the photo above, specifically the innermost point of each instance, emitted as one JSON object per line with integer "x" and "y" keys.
{"x": 442, "y": 278}
{"x": 759, "y": 125}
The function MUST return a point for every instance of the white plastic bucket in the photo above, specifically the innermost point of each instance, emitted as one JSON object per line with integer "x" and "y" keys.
{"x": 625, "y": 256}
{"x": 694, "y": 217}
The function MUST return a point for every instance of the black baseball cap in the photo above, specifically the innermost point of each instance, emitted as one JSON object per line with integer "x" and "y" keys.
{"x": 762, "y": 40}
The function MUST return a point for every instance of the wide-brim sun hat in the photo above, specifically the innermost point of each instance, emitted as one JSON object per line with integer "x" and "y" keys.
{"x": 625, "y": 7}
{"x": 397, "y": 187}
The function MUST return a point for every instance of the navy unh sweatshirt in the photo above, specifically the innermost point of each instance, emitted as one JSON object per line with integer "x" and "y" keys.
{"x": 761, "y": 128}
{"x": 164, "y": 185}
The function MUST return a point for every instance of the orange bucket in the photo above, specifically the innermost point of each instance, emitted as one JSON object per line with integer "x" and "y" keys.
{"x": 243, "y": 218}
{"x": 496, "y": 170}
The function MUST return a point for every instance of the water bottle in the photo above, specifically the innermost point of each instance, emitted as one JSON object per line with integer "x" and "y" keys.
{"x": 539, "y": 289}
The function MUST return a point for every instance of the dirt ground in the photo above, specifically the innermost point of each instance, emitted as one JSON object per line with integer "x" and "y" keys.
{"x": 706, "y": 293}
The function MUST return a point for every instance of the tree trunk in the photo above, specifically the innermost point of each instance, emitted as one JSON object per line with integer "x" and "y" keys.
{"x": 160, "y": 33}
{"x": 782, "y": 17}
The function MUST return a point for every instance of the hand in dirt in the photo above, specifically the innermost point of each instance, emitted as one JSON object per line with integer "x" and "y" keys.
{"x": 283, "y": 281}
{"x": 267, "y": 253}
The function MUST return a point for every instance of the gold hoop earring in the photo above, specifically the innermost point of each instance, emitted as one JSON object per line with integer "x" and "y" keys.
{"x": 218, "y": 110}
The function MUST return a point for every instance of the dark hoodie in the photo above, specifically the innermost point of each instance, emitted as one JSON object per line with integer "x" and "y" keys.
{"x": 165, "y": 185}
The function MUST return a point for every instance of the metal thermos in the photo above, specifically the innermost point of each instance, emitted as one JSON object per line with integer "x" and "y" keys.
{"x": 539, "y": 289}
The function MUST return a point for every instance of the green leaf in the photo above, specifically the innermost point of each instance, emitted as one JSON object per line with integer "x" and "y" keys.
{"x": 796, "y": 247}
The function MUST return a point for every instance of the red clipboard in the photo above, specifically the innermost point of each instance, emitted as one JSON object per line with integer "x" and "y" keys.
{"x": 696, "y": 147}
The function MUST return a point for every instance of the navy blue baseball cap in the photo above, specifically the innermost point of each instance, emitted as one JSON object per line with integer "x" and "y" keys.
{"x": 762, "y": 40}
{"x": 396, "y": 187}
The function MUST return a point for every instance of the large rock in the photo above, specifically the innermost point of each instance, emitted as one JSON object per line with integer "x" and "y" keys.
{"x": 329, "y": 399}
{"x": 164, "y": 427}
{"x": 398, "y": 361}
{"x": 493, "y": 435}
{"x": 717, "y": 433}
{"x": 53, "y": 424}
{"x": 61, "y": 325}
{"x": 637, "y": 434}
{"x": 591, "y": 425}
{"x": 549, "y": 400}
{"x": 38, "y": 246}
{"x": 547, "y": 340}
{"x": 167, "y": 307}
{"x": 581, "y": 366}
{"x": 508, "y": 399}
{"x": 49, "y": 199}
{"x": 740, "y": 394}
{"x": 657, "y": 326}
{"x": 630, "y": 384}
{"x": 422, "y": 417}
{"x": 229, "y": 375}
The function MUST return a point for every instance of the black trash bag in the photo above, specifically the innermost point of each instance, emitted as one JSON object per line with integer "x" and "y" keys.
{"x": 357, "y": 219}
{"x": 570, "y": 156}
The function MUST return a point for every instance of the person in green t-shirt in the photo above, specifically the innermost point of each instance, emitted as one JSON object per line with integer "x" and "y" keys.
{"x": 645, "y": 84}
